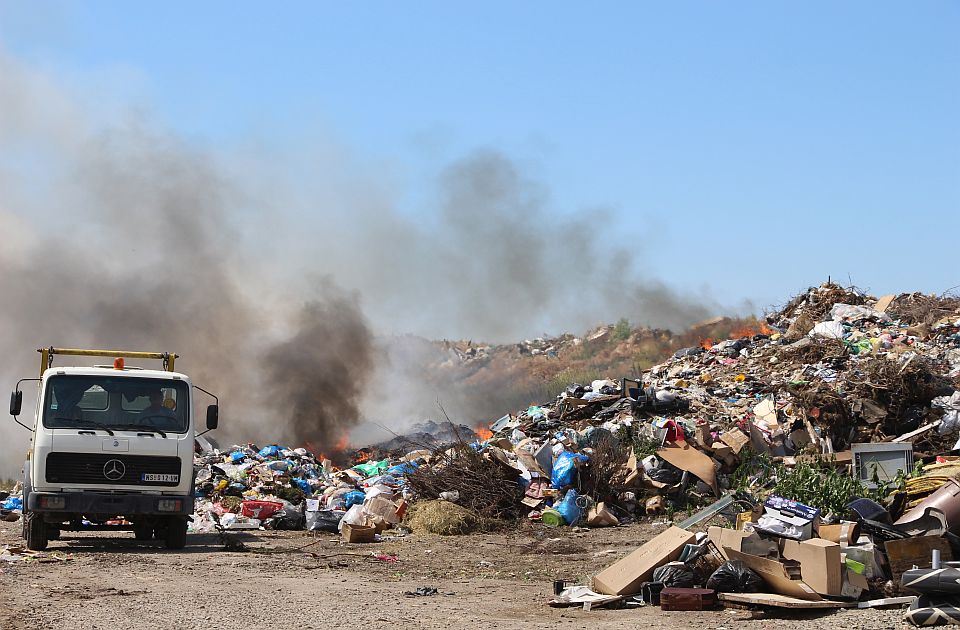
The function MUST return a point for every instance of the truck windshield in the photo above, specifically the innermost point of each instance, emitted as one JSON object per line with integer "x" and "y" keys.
{"x": 116, "y": 403}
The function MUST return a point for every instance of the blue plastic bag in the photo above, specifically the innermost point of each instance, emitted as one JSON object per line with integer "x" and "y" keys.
{"x": 237, "y": 456}
{"x": 354, "y": 497}
{"x": 568, "y": 508}
{"x": 402, "y": 469}
{"x": 303, "y": 485}
{"x": 12, "y": 503}
{"x": 269, "y": 451}
{"x": 565, "y": 469}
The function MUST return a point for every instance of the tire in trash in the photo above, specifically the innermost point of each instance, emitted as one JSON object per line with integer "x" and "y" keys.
{"x": 933, "y": 612}
{"x": 945, "y": 582}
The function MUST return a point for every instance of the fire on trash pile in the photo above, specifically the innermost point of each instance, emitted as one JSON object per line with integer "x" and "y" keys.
{"x": 809, "y": 462}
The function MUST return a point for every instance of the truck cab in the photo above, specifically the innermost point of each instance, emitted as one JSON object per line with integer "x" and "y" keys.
{"x": 112, "y": 448}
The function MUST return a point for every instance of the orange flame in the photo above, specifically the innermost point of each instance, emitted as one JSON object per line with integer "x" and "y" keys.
{"x": 361, "y": 457}
{"x": 707, "y": 343}
{"x": 342, "y": 443}
{"x": 749, "y": 331}
{"x": 483, "y": 432}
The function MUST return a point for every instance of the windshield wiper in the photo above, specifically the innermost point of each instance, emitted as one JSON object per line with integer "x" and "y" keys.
{"x": 141, "y": 429}
{"x": 85, "y": 423}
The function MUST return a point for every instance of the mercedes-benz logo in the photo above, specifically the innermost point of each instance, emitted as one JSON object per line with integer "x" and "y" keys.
{"x": 114, "y": 470}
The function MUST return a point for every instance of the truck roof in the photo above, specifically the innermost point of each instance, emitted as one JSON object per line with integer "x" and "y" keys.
{"x": 128, "y": 372}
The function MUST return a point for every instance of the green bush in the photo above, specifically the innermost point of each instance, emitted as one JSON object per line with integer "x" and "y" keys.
{"x": 621, "y": 330}
{"x": 819, "y": 483}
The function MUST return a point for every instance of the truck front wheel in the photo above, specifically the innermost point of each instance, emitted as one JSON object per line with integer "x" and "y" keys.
{"x": 176, "y": 534}
{"x": 143, "y": 532}
{"x": 34, "y": 531}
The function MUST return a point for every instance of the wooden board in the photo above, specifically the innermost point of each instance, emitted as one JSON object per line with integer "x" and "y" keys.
{"x": 904, "y": 554}
{"x": 780, "y": 601}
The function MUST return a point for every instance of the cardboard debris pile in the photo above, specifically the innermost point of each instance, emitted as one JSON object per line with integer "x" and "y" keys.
{"x": 836, "y": 374}
{"x": 842, "y": 400}
{"x": 823, "y": 566}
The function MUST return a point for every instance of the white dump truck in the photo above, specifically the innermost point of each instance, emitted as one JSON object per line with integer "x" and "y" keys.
{"x": 112, "y": 448}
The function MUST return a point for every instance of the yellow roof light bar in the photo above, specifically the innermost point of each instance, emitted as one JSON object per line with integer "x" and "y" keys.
{"x": 46, "y": 356}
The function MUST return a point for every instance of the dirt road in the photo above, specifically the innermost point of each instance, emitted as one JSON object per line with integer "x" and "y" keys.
{"x": 301, "y": 580}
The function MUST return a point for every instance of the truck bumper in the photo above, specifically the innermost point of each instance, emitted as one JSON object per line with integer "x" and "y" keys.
{"x": 126, "y": 504}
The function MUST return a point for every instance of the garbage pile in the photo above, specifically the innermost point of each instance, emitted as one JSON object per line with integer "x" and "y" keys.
{"x": 825, "y": 437}
{"x": 834, "y": 369}
{"x": 276, "y": 487}
{"x": 11, "y": 504}
{"x": 783, "y": 554}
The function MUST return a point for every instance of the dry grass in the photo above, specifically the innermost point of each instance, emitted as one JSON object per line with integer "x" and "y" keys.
{"x": 442, "y": 518}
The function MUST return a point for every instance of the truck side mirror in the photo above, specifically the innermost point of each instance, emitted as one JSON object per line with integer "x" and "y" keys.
{"x": 16, "y": 402}
{"x": 213, "y": 417}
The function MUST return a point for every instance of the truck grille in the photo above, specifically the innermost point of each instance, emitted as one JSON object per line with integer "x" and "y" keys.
{"x": 111, "y": 469}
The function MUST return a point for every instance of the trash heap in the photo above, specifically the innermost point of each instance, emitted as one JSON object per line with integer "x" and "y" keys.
{"x": 11, "y": 504}
{"x": 275, "y": 487}
{"x": 822, "y": 442}
{"x": 834, "y": 368}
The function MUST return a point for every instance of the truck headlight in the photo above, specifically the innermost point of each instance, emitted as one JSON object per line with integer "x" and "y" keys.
{"x": 53, "y": 503}
{"x": 169, "y": 505}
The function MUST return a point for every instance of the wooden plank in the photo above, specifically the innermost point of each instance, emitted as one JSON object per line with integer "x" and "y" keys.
{"x": 780, "y": 601}
{"x": 923, "y": 429}
{"x": 909, "y": 552}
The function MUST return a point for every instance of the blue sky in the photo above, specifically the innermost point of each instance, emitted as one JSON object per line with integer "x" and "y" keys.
{"x": 749, "y": 149}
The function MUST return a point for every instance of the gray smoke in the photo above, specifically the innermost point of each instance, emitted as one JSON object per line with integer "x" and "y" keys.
{"x": 321, "y": 371}
{"x": 490, "y": 258}
{"x": 118, "y": 233}
{"x": 141, "y": 250}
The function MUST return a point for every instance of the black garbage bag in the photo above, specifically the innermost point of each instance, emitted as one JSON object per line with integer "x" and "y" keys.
{"x": 675, "y": 575}
{"x": 666, "y": 473}
{"x": 735, "y": 577}
{"x": 576, "y": 390}
{"x": 324, "y": 520}
{"x": 289, "y": 517}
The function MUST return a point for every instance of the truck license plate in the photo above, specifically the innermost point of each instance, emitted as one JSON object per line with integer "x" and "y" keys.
{"x": 159, "y": 477}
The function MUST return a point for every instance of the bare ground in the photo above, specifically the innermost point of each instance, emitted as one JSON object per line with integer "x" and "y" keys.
{"x": 305, "y": 580}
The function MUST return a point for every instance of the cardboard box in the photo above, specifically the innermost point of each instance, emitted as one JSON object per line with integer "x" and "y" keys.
{"x": 846, "y": 532}
{"x": 775, "y": 576}
{"x": 789, "y": 511}
{"x": 820, "y": 564}
{"x": 735, "y": 439}
{"x": 854, "y": 584}
{"x": 738, "y": 540}
{"x": 802, "y": 517}
{"x": 625, "y": 576}
{"x": 358, "y": 533}
{"x": 723, "y": 537}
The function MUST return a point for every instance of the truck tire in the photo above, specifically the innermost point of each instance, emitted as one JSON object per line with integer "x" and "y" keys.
{"x": 34, "y": 531}
{"x": 176, "y": 537}
{"x": 141, "y": 532}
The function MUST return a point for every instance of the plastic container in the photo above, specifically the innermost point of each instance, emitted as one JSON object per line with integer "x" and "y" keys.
{"x": 568, "y": 508}
{"x": 552, "y": 518}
